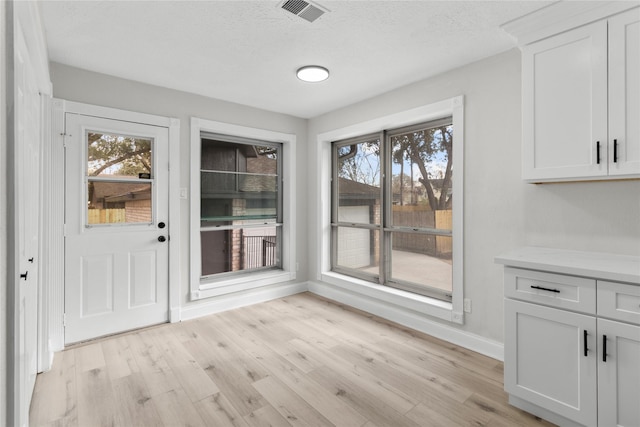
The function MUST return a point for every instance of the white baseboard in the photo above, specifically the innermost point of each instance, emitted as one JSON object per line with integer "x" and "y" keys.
{"x": 237, "y": 300}
{"x": 411, "y": 319}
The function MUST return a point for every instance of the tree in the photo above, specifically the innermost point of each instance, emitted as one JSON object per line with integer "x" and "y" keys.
{"x": 360, "y": 162}
{"x": 119, "y": 155}
{"x": 429, "y": 149}
{"x": 424, "y": 148}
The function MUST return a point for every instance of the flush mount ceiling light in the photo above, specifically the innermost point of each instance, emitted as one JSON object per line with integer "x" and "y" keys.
{"x": 312, "y": 73}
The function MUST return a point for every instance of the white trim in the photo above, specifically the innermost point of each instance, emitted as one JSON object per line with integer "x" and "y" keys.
{"x": 54, "y": 204}
{"x": 27, "y": 14}
{"x": 122, "y": 115}
{"x": 173, "y": 125}
{"x": 455, "y": 108}
{"x": 230, "y": 302}
{"x": 562, "y": 16}
{"x": 49, "y": 251}
{"x": 409, "y": 317}
{"x": 207, "y": 288}
{"x": 175, "y": 224}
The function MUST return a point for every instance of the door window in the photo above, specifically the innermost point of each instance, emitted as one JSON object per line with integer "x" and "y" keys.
{"x": 119, "y": 179}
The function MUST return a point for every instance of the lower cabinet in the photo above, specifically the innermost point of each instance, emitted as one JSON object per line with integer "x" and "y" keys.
{"x": 550, "y": 359}
{"x": 572, "y": 368}
{"x": 618, "y": 374}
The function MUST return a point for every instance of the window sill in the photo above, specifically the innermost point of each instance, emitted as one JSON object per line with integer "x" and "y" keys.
{"x": 211, "y": 287}
{"x": 387, "y": 295}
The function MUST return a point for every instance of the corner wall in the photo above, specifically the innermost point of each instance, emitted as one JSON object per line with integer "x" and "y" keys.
{"x": 501, "y": 212}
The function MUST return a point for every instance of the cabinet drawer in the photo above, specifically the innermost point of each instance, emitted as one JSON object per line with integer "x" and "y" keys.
{"x": 619, "y": 301}
{"x": 555, "y": 290}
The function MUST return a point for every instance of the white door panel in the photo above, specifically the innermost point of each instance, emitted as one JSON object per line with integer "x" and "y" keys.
{"x": 27, "y": 187}
{"x": 116, "y": 210}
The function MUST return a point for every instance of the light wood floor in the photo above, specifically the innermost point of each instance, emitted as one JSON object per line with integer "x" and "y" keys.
{"x": 297, "y": 361}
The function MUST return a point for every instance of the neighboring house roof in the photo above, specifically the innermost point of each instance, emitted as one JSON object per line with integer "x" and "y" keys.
{"x": 111, "y": 192}
{"x": 350, "y": 189}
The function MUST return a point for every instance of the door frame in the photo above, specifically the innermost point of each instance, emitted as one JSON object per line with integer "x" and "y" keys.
{"x": 55, "y": 320}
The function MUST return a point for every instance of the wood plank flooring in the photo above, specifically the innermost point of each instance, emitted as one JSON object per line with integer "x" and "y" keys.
{"x": 296, "y": 361}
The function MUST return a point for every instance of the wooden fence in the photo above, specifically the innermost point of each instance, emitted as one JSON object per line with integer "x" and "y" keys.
{"x": 421, "y": 216}
{"x": 106, "y": 216}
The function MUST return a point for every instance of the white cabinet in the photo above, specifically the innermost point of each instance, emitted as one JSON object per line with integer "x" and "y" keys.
{"x": 618, "y": 354}
{"x": 550, "y": 361}
{"x": 618, "y": 374}
{"x": 572, "y": 336}
{"x": 581, "y": 102}
{"x": 624, "y": 94}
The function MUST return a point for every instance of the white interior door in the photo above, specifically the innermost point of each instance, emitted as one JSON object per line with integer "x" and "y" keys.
{"x": 116, "y": 229}
{"x": 27, "y": 188}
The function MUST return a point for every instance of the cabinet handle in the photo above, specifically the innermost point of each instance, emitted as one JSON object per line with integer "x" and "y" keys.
{"x": 597, "y": 152}
{"x": 545, "y": 289}
{"x": 615, "y": 151}
{"x": 604, "y": 348}
{"x": 586, "y": 350}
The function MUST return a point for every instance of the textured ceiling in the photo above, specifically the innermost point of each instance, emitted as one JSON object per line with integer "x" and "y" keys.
{"x": 248, "y": 51}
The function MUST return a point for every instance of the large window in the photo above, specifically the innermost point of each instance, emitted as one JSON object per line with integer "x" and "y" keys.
{"x": 392, "y": 205}
{"x": 242, "y": 208}
{"x": 240, "y": 205}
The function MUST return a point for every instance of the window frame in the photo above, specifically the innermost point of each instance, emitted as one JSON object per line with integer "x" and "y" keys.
{"x": 225, "y": 283}
{"x": 385, "y": 227}
{"x": 376, "y": 293}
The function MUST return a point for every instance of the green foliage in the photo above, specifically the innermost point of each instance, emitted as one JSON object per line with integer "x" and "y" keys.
{"x": 118, "y": 155}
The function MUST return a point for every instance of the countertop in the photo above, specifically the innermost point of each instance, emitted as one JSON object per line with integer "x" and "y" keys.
{"x": 604, "y": 266}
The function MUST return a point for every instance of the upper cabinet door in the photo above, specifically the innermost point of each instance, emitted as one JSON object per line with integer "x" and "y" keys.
{"x": 565, "y": 105}
{"x": 624, "y": 93}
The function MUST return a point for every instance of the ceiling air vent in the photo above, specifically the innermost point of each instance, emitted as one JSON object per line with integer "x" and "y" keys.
{"x": 304, "y": 9}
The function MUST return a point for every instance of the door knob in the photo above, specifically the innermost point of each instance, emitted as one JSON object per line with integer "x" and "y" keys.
{"x": 30, "y": 260}
{"x": 24, "y": 275}
{"x": 162, "y": 239}
{"x": 161, "y": 225}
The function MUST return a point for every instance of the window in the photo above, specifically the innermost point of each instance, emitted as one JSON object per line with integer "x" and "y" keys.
{"x": 240, "y": 204}
{"x": 119, "y": 179}
{"x": 392, "y": 208}
{"x": 242, "y": 208}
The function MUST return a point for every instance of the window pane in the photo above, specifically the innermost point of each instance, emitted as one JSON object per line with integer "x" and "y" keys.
{"x": 118, "y": 202}
{"x": 422, "y": 175}
{"x": 118, "y": 156}
{"x": 238, "y": 181}
{"x": 226, "y": 196}
{"x": 358, "y": 184}
{"x": 241, "y": 249}
{"x": 422, "y": 259}
{"x": 358, "y": 249}
{"x": 239, "y": 186}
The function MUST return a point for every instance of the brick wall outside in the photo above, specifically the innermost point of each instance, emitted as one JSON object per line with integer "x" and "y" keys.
{"x": 238, "y": 207}
{"x": 138, "y": 211}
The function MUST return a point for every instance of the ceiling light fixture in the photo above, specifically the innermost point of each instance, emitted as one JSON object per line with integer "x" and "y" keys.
{"x": 312, "y": 73}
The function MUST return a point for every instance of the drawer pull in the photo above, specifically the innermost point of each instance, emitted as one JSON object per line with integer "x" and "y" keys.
{"x": 586, "y": 350}
{"x": 604, "y": 348}
{"x": 545, "y": 289}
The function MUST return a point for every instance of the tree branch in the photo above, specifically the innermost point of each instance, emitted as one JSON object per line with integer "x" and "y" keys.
{"x": 119, "y": 159}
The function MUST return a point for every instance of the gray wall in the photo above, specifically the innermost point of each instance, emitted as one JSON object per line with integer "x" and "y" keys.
{"x": 501, "y": 212}
{"x": 74, "y": 84}
{"x": 3, "y": 218}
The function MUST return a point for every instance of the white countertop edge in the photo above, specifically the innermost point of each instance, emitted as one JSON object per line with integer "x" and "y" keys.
{"x": 604, "y": 266}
